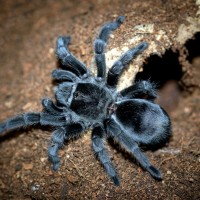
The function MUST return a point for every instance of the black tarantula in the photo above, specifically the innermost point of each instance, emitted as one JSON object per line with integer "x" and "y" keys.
{"x": 83, "y": 101}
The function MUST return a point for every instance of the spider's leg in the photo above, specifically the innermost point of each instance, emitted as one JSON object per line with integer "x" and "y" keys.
{"x": 118, "y": 67}
{"x": 66, "y": 57}
{"x": 24, "y": 120}
{"x": 52, "y": 120}
{"x": 127, "y": 141}
{"x": 100, "y": 44}
{"x": 50, "y": 107}
{"x": 71, "y": 69}
{"x": 30, "y": 119}
{"x": 141, "y": 90}
{"x": 64, "y": 75}
{"x": 102, "y": 155}
{"x": 57, "y": 141}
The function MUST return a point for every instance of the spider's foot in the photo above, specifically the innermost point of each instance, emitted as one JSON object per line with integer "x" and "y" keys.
{"x": 53, "y": 157}
{"x": 55, "y": 160}
{"x": 120, "y": 19}
{"x": 116, "y": 180}
{"x": 63, "y": 41}
{"x": 155, "y": 173}
{"x": 56, "y": 166}
{"x": 2, "y": 127}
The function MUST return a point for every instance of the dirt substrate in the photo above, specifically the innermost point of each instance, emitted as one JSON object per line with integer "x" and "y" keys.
{"x": 28, "y": 33}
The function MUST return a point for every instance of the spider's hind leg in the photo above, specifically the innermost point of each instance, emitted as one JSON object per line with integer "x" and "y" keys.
{"x": 118, "y": 67}
{"x": 100, "y": 44}
{"x": 140, "y": 89}
{"x": 102, "y": 155}
{"x": 127, "y": 141}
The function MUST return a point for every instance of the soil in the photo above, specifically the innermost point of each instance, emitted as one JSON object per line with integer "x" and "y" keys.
{"x": 28, "y": 34}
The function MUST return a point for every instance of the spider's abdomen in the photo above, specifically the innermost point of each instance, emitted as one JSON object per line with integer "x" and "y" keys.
{"x": 148, "y": 122}
{"x": 90, "y": 101}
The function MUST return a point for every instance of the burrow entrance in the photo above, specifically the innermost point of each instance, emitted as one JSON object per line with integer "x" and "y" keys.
{"x": 166, "y": 72}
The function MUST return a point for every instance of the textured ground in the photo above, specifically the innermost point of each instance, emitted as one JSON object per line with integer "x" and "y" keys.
{"x": 28, "y": 34}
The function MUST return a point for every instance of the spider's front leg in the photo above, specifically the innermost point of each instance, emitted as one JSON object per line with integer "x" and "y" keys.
{"x": 59, "y": 136}
{"x": 116, "y": 70}
{"x": 102, "y": 155}
{"x": 64, "y": 75}
{"x": 100, "y": 44}
{"x": 127, "y": 141}
{"x": 67, "y": 58}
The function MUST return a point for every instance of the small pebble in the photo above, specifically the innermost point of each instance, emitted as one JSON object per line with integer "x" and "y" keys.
{"x": 191, "y": 180}
{"x": 43, "y": 159}
{"x": 27, "y": 106}
{"x": 67, "y": 155}
{"x": 28, "y": 166}
{"x": 169, "y": 172}
{"x": 9, "y": 104}
{"x": 35, "y": 187}
{"x": 187, "y": 110}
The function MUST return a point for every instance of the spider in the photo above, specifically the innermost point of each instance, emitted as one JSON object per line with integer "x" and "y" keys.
{"x": 84, "y": 101}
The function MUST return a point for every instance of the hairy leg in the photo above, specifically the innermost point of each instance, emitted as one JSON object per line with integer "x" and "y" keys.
{"x": 30, "y": 119}
{"x": 50, "y": 107}
{"x": 66, "y": 57}
{"x": 57, "y": 141}
{"x": 127, "y": 141}
{"x": 24, "y": 120}
{"x": 118, "y": 67}
{"x": 64, "y": 75}
{"x": 141, "y": 90}
{"x": 100, "y": 44}
{"x": 102, "y": 155}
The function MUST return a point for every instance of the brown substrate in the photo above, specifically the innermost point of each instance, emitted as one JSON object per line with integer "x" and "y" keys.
{"x": 28, "y": 34}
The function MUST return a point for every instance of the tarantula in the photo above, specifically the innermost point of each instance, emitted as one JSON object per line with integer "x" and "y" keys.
{"x": 83, "y": 101}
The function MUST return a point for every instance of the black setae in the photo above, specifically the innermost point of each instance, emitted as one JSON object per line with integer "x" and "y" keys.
{"x": 83, "y": 101}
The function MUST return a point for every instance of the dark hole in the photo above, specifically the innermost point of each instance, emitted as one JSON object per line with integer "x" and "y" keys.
{"x": 165, "y": 71}
{"x": 161, "y": 69}
{"x": 193, "y": 47}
